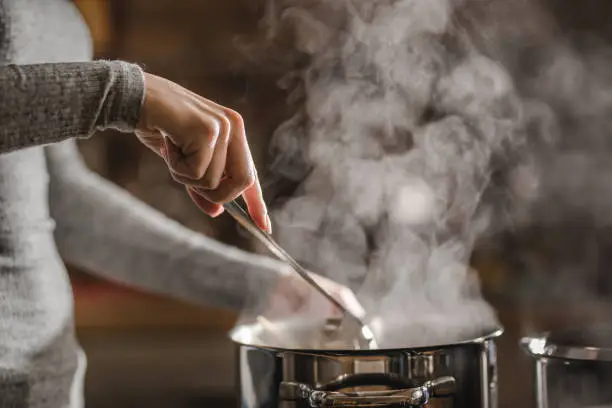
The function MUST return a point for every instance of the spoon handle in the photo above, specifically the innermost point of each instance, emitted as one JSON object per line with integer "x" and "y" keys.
{"x": 239, "y": 214}
{"x": 364, "y": 335}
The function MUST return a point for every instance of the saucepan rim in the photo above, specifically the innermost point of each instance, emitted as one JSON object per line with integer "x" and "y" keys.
{"x": 543, "y": 346}
{"x": 487, "y": 335}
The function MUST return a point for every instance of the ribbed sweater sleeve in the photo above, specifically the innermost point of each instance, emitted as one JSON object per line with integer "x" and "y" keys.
{"x": 106, "y": 231}
{"x": 47, "y": 103}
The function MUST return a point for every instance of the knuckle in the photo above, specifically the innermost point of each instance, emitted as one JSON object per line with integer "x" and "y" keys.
{"x": 201, "y": 131}
{"x": 225, "y": 119}
{"x": 212, "y": 131}
{"x": 209, "y": 128}
{"x": 234, "y": 117}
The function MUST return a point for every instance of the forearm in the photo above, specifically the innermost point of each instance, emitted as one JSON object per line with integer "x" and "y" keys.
{"x": 47, "y": 103}
{"x": 104, "y": 230}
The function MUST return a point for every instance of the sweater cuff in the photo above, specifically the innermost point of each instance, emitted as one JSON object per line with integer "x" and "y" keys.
{"x": 127, "y": 102}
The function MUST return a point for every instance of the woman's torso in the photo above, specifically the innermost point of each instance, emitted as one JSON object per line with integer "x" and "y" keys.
{"x": 38, "y": 353}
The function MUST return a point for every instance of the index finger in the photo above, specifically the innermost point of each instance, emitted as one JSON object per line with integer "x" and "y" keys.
{"x": 256, "y": 205}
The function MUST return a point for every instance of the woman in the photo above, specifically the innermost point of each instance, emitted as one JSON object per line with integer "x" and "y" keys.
{"x": 50, "y": 204}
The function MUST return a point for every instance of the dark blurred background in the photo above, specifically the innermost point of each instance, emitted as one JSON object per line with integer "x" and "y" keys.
{"x": 148, "y": 351}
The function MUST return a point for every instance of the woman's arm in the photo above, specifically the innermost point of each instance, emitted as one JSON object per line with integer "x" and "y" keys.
{"x": 47, "y": 103}
{"x": 203, "y": 143}
{"x": 104, "y": 230}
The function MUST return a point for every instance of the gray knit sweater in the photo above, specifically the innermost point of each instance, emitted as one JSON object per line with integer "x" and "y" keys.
{"x": 52, "y": 205}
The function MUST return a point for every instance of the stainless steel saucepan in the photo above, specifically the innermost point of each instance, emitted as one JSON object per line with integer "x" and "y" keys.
{"x": 271, "y": 374}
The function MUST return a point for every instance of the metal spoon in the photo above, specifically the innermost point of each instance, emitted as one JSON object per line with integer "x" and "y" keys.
{"x": 363, "y": 335}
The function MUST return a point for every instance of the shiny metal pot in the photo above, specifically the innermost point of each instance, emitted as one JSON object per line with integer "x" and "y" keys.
{"x": 573, "y": 368}
{"x": 461, "y": 375}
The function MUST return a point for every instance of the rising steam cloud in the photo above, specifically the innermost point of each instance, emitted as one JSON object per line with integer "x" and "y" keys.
{"x": 419, "y": 129}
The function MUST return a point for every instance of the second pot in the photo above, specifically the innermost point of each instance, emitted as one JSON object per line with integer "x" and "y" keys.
{"x": 573, "y": 367}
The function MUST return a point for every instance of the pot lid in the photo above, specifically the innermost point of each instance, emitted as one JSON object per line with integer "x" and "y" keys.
{"x": 590, "y": 343}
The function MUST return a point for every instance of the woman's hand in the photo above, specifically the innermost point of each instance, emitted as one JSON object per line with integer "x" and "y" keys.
{"x": 204, "y": 145}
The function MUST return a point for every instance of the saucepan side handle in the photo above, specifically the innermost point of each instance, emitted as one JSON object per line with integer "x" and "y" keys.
{"x": 411, "y": 397}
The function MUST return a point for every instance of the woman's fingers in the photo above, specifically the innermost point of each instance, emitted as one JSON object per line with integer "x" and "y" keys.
{"x": 239, "y": 167}
{"x": 204, "y": 145}
{"x": 190, "y": 158}
{"x": 241, "y": 176}
{"x": 257, "y": 206}
{"x": 212, "y": 209}
{"x": 214, "y": 174}
{"x": 204, "y": 169}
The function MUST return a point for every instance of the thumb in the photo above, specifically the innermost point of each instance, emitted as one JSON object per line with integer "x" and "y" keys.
{"x": 208, "y": 207}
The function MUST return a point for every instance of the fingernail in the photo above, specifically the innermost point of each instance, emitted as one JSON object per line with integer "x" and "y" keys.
{"x": 268, "y": 224}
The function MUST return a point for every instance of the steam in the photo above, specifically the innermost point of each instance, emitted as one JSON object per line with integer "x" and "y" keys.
{"x": 421, "y": 129}
{"x": 400, "y": 121}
